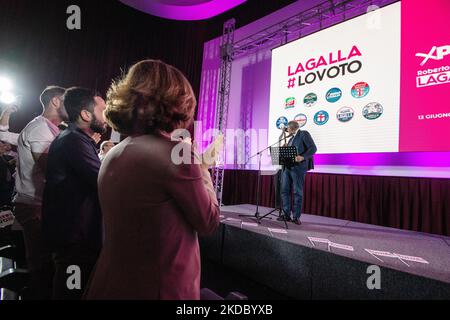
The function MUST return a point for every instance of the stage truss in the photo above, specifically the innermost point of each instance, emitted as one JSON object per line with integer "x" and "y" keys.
{"x": 226, "y": 56}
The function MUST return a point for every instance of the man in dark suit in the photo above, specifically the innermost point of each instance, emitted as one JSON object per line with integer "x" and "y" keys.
{"x": 294, "y": 173}
{"x": 72, "y": 221}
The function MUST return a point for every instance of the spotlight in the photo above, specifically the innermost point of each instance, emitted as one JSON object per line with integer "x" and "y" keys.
{"x": 5, "y": 84}
{"x": 7, "y": 98}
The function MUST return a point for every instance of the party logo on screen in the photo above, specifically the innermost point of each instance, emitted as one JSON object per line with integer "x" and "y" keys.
{"x": 289, "y": 103}
{"x": 345, "y": 114}
{"x": 436, "y": 53}
{"x": 433, "y": 76}
{"x": 333, "y": 95}
{"x": 360, "y": 90}
{"x": 301, "y": 119}
{"x": 282, "y": 122}
{"x": 321, "y": 117}
{"x": 372, "y": 111}
{"x": 310, "y": 99}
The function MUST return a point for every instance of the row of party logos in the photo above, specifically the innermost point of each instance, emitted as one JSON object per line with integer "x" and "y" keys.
{"x": 359, "y": 90}
{"x": 371, "y": 111}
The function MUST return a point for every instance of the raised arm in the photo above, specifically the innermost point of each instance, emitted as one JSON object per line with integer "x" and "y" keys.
{"x": 191, "y": 187}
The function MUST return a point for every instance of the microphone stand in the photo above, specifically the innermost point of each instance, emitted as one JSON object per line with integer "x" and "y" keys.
{"x": 259, "y": 154}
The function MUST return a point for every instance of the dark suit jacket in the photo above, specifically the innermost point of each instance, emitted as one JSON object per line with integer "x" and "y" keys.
{"x": 306, "y": 148}
{"x": 70, "y": 209}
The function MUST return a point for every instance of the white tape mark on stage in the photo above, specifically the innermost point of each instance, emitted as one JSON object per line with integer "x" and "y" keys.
{"x": 242, "y": 223}
{"x": 401, "y": 257}
{"x": 330, "y": 244}
{"x": 233, "y": 220}
{"x": 249, "y": 224}
{"x": 275, "y": 230}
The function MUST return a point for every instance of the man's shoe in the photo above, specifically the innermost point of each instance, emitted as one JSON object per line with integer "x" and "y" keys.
{"x": 296, "y": 221}
{"x": 284, "y": 218}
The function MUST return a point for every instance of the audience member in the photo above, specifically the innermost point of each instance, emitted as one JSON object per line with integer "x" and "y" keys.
{"x": 33, "y": 144}
{"x": 5, "y": 135}
{"x": 72, "y": 222}
{"x": 7, "y": 168}
{"x": 153, "y": 209}
{"x": 105, "y": 147}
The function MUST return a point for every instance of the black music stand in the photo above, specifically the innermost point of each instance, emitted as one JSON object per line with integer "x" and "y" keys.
{"x": 284, "y": 155}
{"x": 281, "y": 156}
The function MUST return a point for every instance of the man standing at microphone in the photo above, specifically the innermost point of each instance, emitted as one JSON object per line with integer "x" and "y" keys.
{"x": 293, "y": 174}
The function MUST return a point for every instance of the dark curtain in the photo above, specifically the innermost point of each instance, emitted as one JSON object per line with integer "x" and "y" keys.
{"x": 37, "y": 49}
{"x": 419, "y": 204}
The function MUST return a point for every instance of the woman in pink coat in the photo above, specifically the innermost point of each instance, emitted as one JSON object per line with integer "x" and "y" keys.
{"x": 153, "y": 208}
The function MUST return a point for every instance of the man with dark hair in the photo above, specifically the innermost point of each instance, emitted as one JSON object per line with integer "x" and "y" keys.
{"x": 293, "y": 174}
{"x": 72, "y": 221}
{"x": 32, "y": 149}
{"x": 49, "y": 93}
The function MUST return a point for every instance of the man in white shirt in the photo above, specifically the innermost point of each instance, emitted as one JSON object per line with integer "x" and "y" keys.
{"x": 33, "y": 144}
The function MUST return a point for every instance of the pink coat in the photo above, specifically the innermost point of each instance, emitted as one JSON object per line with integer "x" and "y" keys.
{"x": 153, "y": 211}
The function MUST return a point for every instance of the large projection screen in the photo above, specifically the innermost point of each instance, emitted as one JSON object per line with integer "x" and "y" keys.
{"x": 342, "y": 84}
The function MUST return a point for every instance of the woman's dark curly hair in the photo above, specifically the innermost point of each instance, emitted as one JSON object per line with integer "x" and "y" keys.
{"x": 152, "y": 93}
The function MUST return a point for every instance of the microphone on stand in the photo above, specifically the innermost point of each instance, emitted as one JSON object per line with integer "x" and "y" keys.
{"x": 288, "y": 136}
{"x": 283, "y": 134}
